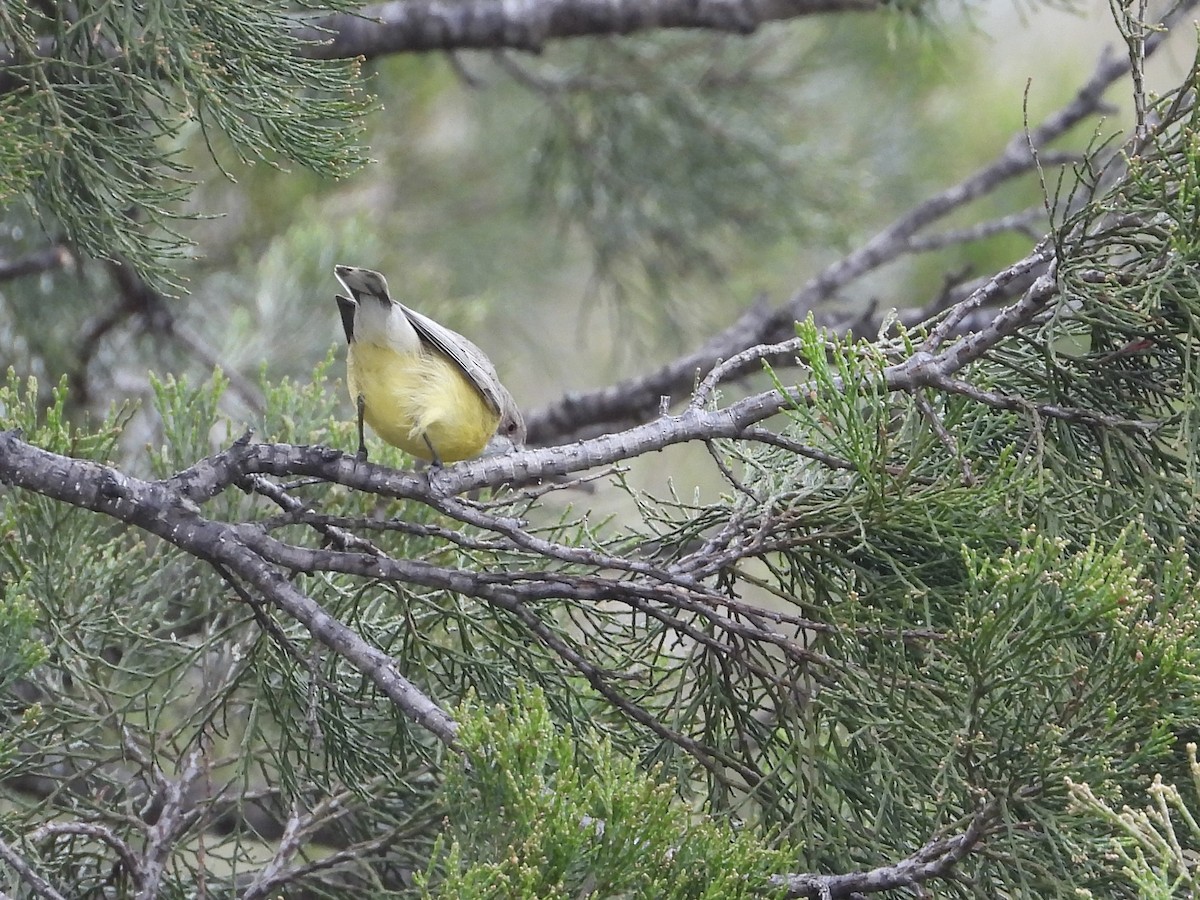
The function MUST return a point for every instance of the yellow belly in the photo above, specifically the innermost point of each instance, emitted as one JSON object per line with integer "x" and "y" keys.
{"x": 411, "y": 397}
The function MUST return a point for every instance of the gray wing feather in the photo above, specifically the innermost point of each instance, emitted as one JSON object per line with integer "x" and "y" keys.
{"x": 470, "y": 359}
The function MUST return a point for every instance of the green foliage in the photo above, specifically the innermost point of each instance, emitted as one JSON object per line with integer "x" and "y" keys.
{"x": 536, "y": 813}
{"x": 1046, "y": 664}
{"x": 188, "y": 417}
{"x": 20, "y": 653}
{"x": 944, "y": 603}
{"x": 101, "y": 115}
{"x": 17, "y": 153}
{"x": 1157, "y": 846}
{"x": 1121, "y": 342}
{"x": 48, "y": 426}
{"x": 961, "y": 642}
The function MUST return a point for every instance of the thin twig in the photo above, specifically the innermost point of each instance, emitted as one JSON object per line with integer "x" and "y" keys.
{"x": 97, "y": 832}
{"x": 340, "y": 537}
{"x": 25, "y": 871}
{"x": 740, "y": 363}
{"x": 48, "y": 259}
{"x": 1022, "y": 222}
{"x": 727, "y": 473}
{"x": 997, "y": 400}
{"x": 934, "y": 860}
{"x": 945, "y": 437}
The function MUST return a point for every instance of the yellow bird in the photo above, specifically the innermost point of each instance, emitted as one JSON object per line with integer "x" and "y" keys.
{"x": 420, "y": 386}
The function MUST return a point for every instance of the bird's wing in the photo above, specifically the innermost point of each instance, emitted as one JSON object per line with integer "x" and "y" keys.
{"x": 470, "y": 359}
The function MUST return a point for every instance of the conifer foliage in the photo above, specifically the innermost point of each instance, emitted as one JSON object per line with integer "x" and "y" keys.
{"x": 940, "y": 619}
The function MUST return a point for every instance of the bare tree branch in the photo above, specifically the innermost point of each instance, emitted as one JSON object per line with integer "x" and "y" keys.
{"x": 47, "y": 259}
{"x": 429, "y": 25}
{"x": 160, "y": 510}
{"x": 408, "y": 27}
{"x": 636, "y": 399}
{"x": 1027, "y": 222}
{"x": 39, "y": 885}
{"x": 935, "y": 860}
{"x": 175, "y": 817}
{"x": 101, "y": 833}
{"x": 214, "y": 474}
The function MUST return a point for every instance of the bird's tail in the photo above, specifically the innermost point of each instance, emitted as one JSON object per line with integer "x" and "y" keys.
{"x": 347, "y": 308}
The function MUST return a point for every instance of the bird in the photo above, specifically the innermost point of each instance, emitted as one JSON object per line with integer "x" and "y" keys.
{"x": 420, "y": 386}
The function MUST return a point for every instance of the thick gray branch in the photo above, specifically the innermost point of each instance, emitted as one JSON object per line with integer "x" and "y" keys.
{"x": 211, "y": 476}
{"x": 422, "y": 25}
{"x": 737, "y": 421}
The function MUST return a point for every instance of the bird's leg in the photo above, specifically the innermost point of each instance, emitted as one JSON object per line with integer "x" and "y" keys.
{"x": 362, "y": 444}
{"x": 435, "y": 459}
